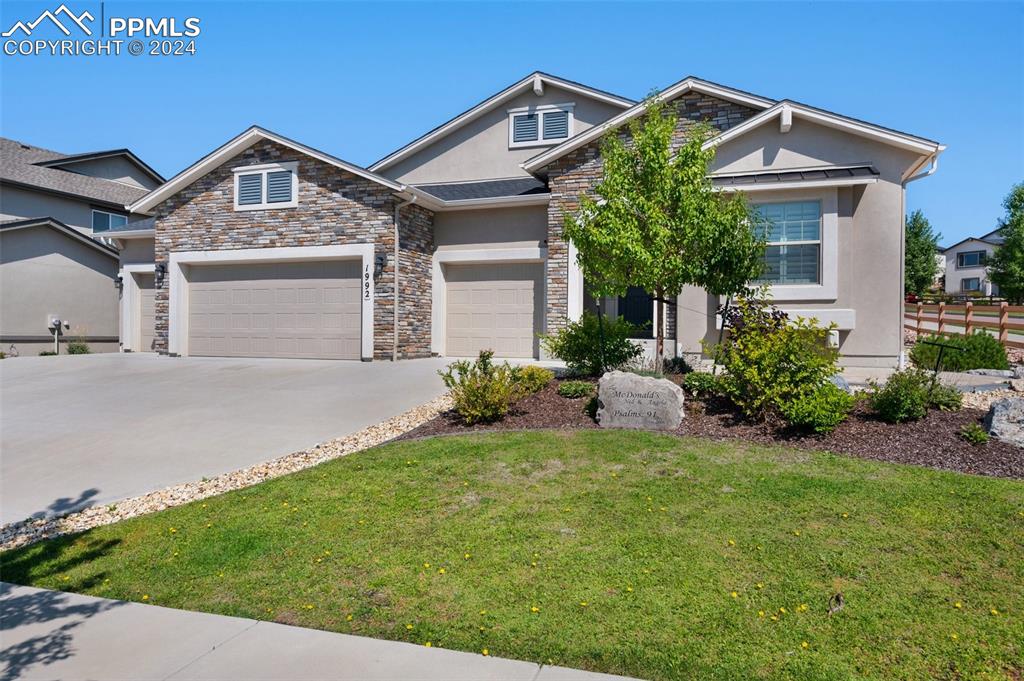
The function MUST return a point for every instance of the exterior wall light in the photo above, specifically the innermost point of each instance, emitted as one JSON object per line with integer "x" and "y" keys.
{"x": 160, "y": 271}
{"x": 119, "y": 283}
{"x": 378, "y": 265}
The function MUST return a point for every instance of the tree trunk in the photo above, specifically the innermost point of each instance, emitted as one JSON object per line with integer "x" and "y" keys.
{"x": 659, "y": 352}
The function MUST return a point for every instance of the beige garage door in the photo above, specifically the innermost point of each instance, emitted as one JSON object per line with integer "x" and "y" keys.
{"x": 306, "y": 310}
{"x": 493, "y": 307}
{"x": 147, "y": 311}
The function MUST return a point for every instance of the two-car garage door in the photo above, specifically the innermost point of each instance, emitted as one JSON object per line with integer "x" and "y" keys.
{"x": 304, "y": 310}
{"x": 493, "y": 307}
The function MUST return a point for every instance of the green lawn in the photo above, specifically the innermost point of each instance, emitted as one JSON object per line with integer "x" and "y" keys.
{"x": 623, "y": 552}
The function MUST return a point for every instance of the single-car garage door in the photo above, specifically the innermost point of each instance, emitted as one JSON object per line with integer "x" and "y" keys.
{"x": 147, "y": 311}
{"x": 493, "y": 307}
{"x": 305, "y": 310}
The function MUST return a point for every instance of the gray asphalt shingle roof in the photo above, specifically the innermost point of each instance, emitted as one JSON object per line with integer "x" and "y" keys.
{"x": 18, "y": 165}
{"x": 486, "y": 189}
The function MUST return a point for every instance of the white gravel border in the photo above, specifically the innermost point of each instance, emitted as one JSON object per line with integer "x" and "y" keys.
{"x": 26, "y": 532}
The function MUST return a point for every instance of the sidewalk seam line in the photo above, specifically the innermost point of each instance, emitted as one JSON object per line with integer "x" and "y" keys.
{"x": 212, "y": 649}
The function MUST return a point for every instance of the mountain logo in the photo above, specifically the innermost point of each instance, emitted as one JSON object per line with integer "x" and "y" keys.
{"x": 78, "y": 20}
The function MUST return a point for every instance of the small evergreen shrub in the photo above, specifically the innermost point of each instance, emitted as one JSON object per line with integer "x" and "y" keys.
{"x": 980, "y": 350}
{"x": 78, "y": 348}
{"x": 533, "y": 378}
{"x": 578, "y": 344}
{"x": 974, "y": 434}
{"x": 47, "y": 353}
{"x": 591, "y": 407}
{"x": 575, "y": 389}
{"x": 820, "y": 410}
{"x": 481, "y": 390}
{"x": 702, "y": 385}
{"x": 908, "y": 394}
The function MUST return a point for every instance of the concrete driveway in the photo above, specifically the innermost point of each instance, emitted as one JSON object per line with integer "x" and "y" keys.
{"x": 93, "y": 429}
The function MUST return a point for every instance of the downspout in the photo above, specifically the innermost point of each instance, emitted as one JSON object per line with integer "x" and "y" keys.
{"x": 398, "y": 208}
{"x": 902, "y": 362}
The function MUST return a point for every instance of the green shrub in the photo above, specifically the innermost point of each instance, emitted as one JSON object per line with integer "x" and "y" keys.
{"x": 777, "y": 367}
{"x": 677, "y": 365}
{"x": 578, "y": 344}
{"x": 574, "y": 389}
{"x": 481, "y": 390}
{"x": 820, "y": 410}
{"x": 78, "y": 348}
{"x": 908, "y": 394}
{"x": 702, "y": 385}
{"x": 47, "y": 353}
{"x": 533, "y": 378}
{"x": 974, "y": 434}
{"x": 980, "y": 350}
{"x": 591, "y": 407}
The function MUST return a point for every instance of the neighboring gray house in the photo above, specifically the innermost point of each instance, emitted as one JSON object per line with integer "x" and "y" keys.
{"x": 453, "y": 243}
{"x": 54, "y": 210}
{"x": 966, "y": 265}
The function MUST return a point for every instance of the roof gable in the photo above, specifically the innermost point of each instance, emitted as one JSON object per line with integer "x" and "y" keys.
{"x": 535, "y": 81}
{"x": 96, "y": 155}
{"x": 62, "y": 229}
{"x": 233, "y": 148}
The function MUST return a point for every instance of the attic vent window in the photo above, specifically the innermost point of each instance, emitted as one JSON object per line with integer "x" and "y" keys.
{"x": 544, "y": 125}
{"x": 264, "y": 187}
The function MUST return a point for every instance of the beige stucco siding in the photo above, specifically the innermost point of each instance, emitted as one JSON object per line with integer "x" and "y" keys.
{"x": 137, "y": 251}
{"x": 524, "y": 226}
{"x": 43, "y": 273}
{"x": 116, "y": 168}
{"x": 479, "y": 149}
{"x": 21, "y": 204}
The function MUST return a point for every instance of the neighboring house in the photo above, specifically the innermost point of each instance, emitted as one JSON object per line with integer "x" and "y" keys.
{"x": 966, "y": 265}
{"x": 51, "y": 207}
{"x": 266, "y": 247}
{"x": 939, "y": 282}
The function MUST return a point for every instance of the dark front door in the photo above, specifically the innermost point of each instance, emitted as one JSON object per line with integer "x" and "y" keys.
{"x": 637, "y": 308}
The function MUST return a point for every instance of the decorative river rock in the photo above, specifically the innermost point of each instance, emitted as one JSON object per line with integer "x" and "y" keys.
{"x": 630, "y": 401}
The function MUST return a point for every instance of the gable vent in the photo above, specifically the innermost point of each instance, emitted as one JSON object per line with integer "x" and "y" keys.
{"x": 556, "y": 125}
{"x": 279, "y": 186}
{"x": 250, "y": 189}
{"x": 525, "y": 128}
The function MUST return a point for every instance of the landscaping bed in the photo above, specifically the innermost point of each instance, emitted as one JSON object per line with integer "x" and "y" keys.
{"x": 933, "y": 441}
{"x": 627, "y": 552}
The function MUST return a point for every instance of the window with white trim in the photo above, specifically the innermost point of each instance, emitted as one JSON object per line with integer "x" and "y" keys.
{"x": 793, "y": 242}
{"x": 102, "y": 220}
{"x": 264, "y": 187}
{"x": 970, "y": 259}
{"x": 968, "y": 284}
{"x": 534, "y": 126}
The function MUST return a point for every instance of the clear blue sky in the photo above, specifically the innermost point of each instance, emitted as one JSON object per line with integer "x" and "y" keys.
{"x": 359, "y": 80}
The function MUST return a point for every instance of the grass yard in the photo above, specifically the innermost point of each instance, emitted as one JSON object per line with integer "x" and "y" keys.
{"x": 631, "y": 553}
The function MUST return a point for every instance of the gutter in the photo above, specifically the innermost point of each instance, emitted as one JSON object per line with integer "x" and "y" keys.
{"x": 398, "y": 208}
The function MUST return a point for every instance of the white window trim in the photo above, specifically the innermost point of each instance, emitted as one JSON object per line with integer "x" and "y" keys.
{"x": 828, "y": 288}
{"x": 105, "y": 212}
{"x": 540, "y": 109}
{"x": 179, "y": 262}
{"x": 979, "y": 265}
{"x": 488, "y": 256}
{"x": 264, "y": 170}
{"x": 131, "y": 323}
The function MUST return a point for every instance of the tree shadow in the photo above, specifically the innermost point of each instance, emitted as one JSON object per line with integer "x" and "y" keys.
{"x": 23, "y": 608}
{"x": 66, "y": 505}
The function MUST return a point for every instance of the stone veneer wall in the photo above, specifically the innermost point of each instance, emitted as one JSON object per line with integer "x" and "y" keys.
{"x": 335, "y": 207}
{"x": 580, "y": 171}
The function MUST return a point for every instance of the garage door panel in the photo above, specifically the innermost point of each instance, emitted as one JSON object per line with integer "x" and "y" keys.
{"x": 492, "y": 307}
{"x": 304, "y": 310}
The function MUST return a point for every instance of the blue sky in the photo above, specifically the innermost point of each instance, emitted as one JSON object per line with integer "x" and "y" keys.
{"x": 359, "y": 80}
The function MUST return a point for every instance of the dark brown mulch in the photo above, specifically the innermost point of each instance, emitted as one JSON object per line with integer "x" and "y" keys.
{"x": 933, "y": 441}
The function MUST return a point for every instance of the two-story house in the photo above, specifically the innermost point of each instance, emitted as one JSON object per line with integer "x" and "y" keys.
{"x": 966, "y": 267}
{"x": 54, "y": 211}
{"x": 266, "y": 247}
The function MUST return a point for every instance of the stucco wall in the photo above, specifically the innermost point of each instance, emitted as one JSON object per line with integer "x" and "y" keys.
{"x": 44, "y": 273}
{"x": 954, "y": 275}
{"x": 479, "y": 149}
{"x": 17, "y": 203}
{"x": 334, "y": 207}
{"x": 116, "y": 168}
{"x": 137, "y": 251}
{"x": 525, "y": 226}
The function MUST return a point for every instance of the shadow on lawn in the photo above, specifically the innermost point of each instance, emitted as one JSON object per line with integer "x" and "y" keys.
{"x": 54, "y": 614}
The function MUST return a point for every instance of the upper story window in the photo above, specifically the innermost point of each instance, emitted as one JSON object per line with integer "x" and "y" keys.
{"x": 262, "y": 187}
{"x": 534, "y": 126}
{"x": 970, "y": 259}
{"x": 102, "y": 220}
{"x": 793, "y": 249}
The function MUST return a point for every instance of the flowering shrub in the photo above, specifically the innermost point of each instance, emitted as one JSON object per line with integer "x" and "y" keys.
{"x": 482, "y": 391}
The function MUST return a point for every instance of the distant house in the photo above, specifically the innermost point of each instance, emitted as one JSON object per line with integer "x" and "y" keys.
{"x": 55, "y": 261}
{"x": 966, "y": 265}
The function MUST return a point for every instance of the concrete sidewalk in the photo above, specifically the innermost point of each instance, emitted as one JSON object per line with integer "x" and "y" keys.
{"x": 55, "y": 635}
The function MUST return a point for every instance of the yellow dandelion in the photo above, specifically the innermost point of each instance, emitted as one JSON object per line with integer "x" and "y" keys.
{"x": 760, "y": 585}
{"x": 954, "y": 636}
{"x": 760, "y": 613}
{"x": 466, "y": 557}
{"x": 732, "y": 543}
{"x": 485, "y": 652}
{"x": 440, "y": 571}
{"x": 583, "y": 603}
{"x": 408, "y": 626}
{"x": 804, "y": 645}
{"x": 994, "y": 611}
{"x": 958, "y": 605}
{"x": 308, "y": 606}
{"x": 774, "y": 618}
{"x": 483, "y": 612}
{"x": 65, "y": 578}
{"x": 533, "y": 564}
{"x": 796, "y": 532}
{"x": 782, "y": 610}
{"x": 629, "y": 589}
{"x": 348, "y": 618}
{"x": 734, "y": 594}
{"x": 362, "y": 522}
{"x": 662, "y": 509}
{"x": 426, "y": 565}
{"x": 483, "y": 628}
{"x": 428, "y": 644}
{"x": 173, "y": 530}
{"x": 846, "y": 515}
{"x": 269, "y": 610}
{"x": 802, "y": 607}
{"x": 209, "y": 524}
{"x": 535, "y": 609}
{"x": 145, "y": 597}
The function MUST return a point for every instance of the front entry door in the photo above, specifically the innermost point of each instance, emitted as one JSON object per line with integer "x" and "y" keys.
{"x": 636, "y": 307}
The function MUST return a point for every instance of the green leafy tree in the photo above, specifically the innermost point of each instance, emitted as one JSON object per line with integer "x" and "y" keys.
{"x": 1006, "y": 265}
{"x": 920, "y": 264}
{"x": 658, "y": 221}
